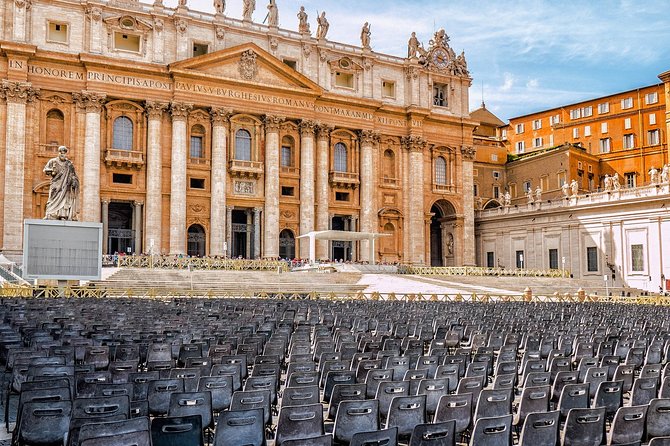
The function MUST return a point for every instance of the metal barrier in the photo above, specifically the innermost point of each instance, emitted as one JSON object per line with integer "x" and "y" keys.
{"x": 479, "y": 271}
{"x": 160, "y": 293}
{"x": 204, "y": 263}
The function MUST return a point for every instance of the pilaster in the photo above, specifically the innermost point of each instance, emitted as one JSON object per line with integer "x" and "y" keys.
{"x": 322, "y": 190}
{"x": 179, "y": 112}
{"x": 220, "y": 118}
{"x": 94, "y": 15}
{"x": 257, "y": 232}
{"x": 417, "y": 248}
{"x": 271, "y": 211}
{"x": 368, "y": 139}
{"x": 154, "y": 195}
{"x": 21, "y": 8}
{"x": 468, "y": 241}
{"x": 307, "y": 129}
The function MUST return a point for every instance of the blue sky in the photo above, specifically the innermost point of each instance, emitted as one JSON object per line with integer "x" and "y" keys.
{"x": 526, "y": 55}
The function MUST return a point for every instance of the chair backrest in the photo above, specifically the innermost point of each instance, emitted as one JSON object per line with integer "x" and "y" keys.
{"x": 609, "y": 395}
{"x": 343, "y": 392}
{"x": 399, "y": 365}
{"x": 660, "y": 441}
{"x": 300, "y": 396}
{"x": 628, "y": 425}
{"x": 562, "y": 379}
{"x": 158, "y": 394}
{"x": 373, "y": 378}
{"x": 236, "y": 427}
{"x": 386, "y": 391}
{"x": 137, "y": 438}
{"x": 470, "y": 385}
{"x": 493, "y": 403}
{"x": 299, "y": 422}
{"x": 177, "y": 431}
{"x": 644, "y": 389}
{"x": 584, "y": 426}
{"x": 625, "y": 372}
{"x": 184, "y": 404}
{"x": 98, "y": 409}
{"x": 253, "y": 399}
{"x": 494, "y": 431}
{"x": 573, "y": 396}
{"x": 658, "y": 418}
{"x": 405, "y": 413}
{"x": 504, "y": 381}
{"x": 355, "y": 416}
{"x": 540, "y": 428}
{"x": 533, "y": 399}
{"x": 433, "y": 389}
{"x": 111, "y": 428}
{"x": 456, "y": 407}
{"x": 434, "y": 434}
{"x": 221, "y": 388}
{"x": 386, "y": 437}
{"x": 323, "y": 440}
{"x": 44, "y": 422}
{"x": 594, "y": 376}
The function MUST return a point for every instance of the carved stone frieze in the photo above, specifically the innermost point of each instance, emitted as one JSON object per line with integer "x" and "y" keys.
{"x": 307, "y": 127}
{"x": 369, "y": 137}
{"x": 411, "y": 72}
{"x": 88, "y": 101}
{"x": 197, "y": 208}
{"x": 159, "y": 24}
{"x": 220, "y": 32}
{"x": 244, "y": 187}
{"x": 274, "y": 44}
{"x": 180, "y": 110}
{"x": 19, "y": 92}
{"x": 414, "y": 143}
{"x": 94, "y": 13}
{"x": 288, "y": 215}
{"x": 306, "y": 49}
{"x": 272, "y": 123}
{"x": 180, "y": 24}
{"x": 248, "y": 66}
{"x": 220, "y": 115}
{"x": 468, "y": 153}
{"x": 155, "y": 109}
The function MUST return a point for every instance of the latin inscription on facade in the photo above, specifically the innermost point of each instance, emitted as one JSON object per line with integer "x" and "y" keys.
{"x": 16, "y": 64}
{"x": 244, "y": 187}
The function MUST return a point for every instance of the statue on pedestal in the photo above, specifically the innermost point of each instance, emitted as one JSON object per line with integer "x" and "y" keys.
{"x": 615, "y": 182}
{"x": 566, "y": 190}
{"x": 303, "y": 25}
{"x": 322, "y": 29}
{"x": 507, "y": 198}
{"x": 607, "y": 182}
{"x": 219, "y": 6}
{"x": 653, "y": 175}
{"x": 665, "y": 174}
{"x": 273, "y": 14}
{"x": 529, "y": 195}
{"x": 538, "y": 193}
{"x": 365, "y": 36}
{"x": 248, "y": 7}
{"x": 413, "y": 46}
{"x": 64, "y": 189}
{"x": 574, "y": 188}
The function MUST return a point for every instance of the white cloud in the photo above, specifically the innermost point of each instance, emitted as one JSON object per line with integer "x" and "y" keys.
{"x": 508, "y": 82}
{"x": 532, "y": 83}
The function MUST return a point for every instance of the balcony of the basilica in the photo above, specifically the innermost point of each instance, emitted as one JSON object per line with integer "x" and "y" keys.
{"x": 49, "y": 150}
{"x": 199, "y": 163}
{"x": 344, "y": 179}
{"x": 124, "y": 158}
{"x": 289, "y": 171}
{"x": 245, "y": 169}
{"x": 392, "y": 183}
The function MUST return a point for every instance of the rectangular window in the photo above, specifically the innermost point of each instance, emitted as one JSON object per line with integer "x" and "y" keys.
{"x": 475, "y": 190}
{"x": 626, "y": 123}
{"x": 603, "y": 108}
{"x": 526, "y": 186}
{"x": 344, "y": 79}
{"x": 490, "y": 259}
{"x": 651, "y": 98}
{"x": 440, "y": 92}
{"x": 519, "y": 128}
{"x": 519, "y": 259}
{"x": 628, "y": 141}
{"x": 630, "y": 179}
{"x": 603, "y": 127}
{"x": 554, "y": 119}
{"x": 341, "y": 196}
{"x": 551, "y": 140}
{"x": 287, "y": 191}
{"x": 503, "y": 133}
{"x": 537, "y": 124}
{"x": 57, "y": 32}
{"x": 290, "y": 63}
{"x": 496, "y": 175}
{"x": 126, "y": 42}
{"x": 388, "y": 89}
{"x": 520, "y": 147}
{"x": 626, "y": 103}
{"x": 494, "y": 157}
{"x": 537, "y": 142}
{"x": 587, "y": 130}
{"x": 496, "y": 192}
{"x": 637, "y": 257}
{"x": 286, "y": 156}
{"x": 575, "y": 133}
{"x": 512, "y": 190}
{"x": 553, "y": 259}
{"x": 200, "y": 49}
{"x": 197, "y": 183}
{"x": 592, "y": 259}
{"x": 653, "y": 137}
{"x": 652, "y": 119}
{"x": 605, "y": 145}
{"x": 587, "y": 111}
{"x": 122, "y": 178}
{"x": 196, "y": 147}
{"x": 575, "y": 113}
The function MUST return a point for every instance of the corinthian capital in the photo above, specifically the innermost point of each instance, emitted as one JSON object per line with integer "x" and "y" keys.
{"x": 180, "y": 110}
{"x": 368, "y": 137}
{"x": 155, "y": 109}
{"x": 18, "y": 92}
{"x": 324, "y": 131}
{"x": 272, "y": 123}
{"x": 468, "y": 153}
{"x": 307, "y": 127}
{"x": 94, "y": 13}
{"x": 414, "y": 143}
{"x": 220, "y": 115}
{"x": 89, "y": 101}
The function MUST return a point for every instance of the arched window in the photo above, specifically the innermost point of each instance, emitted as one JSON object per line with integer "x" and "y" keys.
{"x": 55, "y": 127}
{"x": 243, "y": 145}
{"x": 340, "y": 164}
{"x": 123, "y": 134}
{"x": 197, "y": 141}
{"x": 388, "y": 243}
{"x": 286, "y": 244}
{"x": 389, "y": 164}
{"x": 287, "y": 151}
{"x": 440, "y": 171}
{"x": 196, "y": 241}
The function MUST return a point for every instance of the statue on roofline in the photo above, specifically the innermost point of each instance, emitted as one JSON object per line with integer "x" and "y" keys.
{"x": 64, "y": 188}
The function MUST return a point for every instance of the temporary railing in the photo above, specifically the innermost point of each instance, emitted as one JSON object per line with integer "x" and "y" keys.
{"x": 479, "y": 271}
{"x": 207, "y": 263}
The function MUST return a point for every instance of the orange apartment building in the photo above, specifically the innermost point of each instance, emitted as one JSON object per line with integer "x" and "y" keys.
{"x": 624, "y": 133}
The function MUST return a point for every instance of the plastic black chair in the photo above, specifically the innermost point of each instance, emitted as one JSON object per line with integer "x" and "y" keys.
{"x": 533, "y": 399}
{"x": 455, "y": 407}
{"x": 434, "y": 389}
{"x": 540, "y": 429}
{"x": 185, "y": 404}
{"x": 158, "y": 394}
{"x": 434, "y": 434}
{"x": 493, "y": 403}
{"x": 300, "y": 396}
{"x": 609, "y": 395}
{"x": 335, "y": 377}
{"x": 299, "y": 422}
{"x": 584, "y": 427}
{"x": 323, "y": 440}
{"x": 660, "y": 441}
{"x": 495, "y": 431}
{"x": 44, "y": 423}
{"x": 111, "y": 428}
{"x": 644, "y": 390}
{"x": 253, "y": 399}
{"x": 405, "y": 413}
{"x": 628, "y": 425}
{"x": 353, "y": 417}
{"x": 232, "y": 370}
{"x": 139, "y": 438}
{"x": 221, "y": 388}
{"x": 342, "y": 392}
{"x": 240, "y": 427}
{"x": 385, "y": 437}
{"x": 573, "y": 396}
{"x": 658, "y": 418}
{"x": 177, "y": 431}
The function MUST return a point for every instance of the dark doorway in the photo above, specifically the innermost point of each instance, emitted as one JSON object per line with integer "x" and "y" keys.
{"x": 286, "y": 244}
{"x": 436, "y": 258}
{"x": 242, "y": 230}
{"x": 341, "y": 249}
{"x": 120, "y": 234}
{"x": 196, "y": 241}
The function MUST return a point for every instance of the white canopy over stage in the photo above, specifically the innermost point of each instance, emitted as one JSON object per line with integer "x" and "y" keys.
{"x": 342, "y": 236}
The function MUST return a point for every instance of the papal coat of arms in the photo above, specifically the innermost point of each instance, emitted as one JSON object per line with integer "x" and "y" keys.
{"x": 248, "y": 66}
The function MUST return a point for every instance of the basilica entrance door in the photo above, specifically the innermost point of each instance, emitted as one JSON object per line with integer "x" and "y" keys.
{"x": 120, "y": 234}
{"x": 196, "y": 241}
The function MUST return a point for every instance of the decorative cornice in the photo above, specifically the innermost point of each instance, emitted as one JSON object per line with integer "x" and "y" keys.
{"x": 180, "y": 110}
{"x": 20, "y": 4}
{"x": 307, "y": 127}
{"x": 411, "y": 72}
{"x": 414, "y": 143}
{"x": 155, "y": 109}
{"x": 18, "y": 92}
{"x": 220, "y": 115}
{"x": 94, "y": 13}
{"x": 468, "y": 153}
{"x": 368, "y": 137}
{"x": 89, "y": 101}
{"x": 324, "y": 131}
{"x": 272, "y": 123}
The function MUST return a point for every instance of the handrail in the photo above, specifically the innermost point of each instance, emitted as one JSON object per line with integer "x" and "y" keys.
{"x": 205, "y": 263}
{"x": 479, "y": 271}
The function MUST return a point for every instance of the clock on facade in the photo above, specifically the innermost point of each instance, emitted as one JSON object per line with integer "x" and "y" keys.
{"x": 440, "y": 58}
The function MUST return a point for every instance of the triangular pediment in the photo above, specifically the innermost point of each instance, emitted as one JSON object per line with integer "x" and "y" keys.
{"x": 247, "y": 63}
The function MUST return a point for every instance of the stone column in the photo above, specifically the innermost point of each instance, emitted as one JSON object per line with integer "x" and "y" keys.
{"x": 217, "y": 219}
{"x": 367, "y": 197}
{"x": 417, "y": 249}
{"x": 94, "y": 14}
{"x": 322, "y": 189}
{"x": 20, "y": 16}
{"x": 92, "y": 105}
{"x": 257, "y": 233}
{"x": 17, "y": 95}
{"x": 154, "y": 194}
{"x": 180, "y": 113}
{"x": 306, "y": 184}
{"x": 137, "y": 219}
{"x": 468, "y": 242}
{"x": 105, "y": 226}
{"x": 229, "y": 230}
{"x": 271, "y": 211}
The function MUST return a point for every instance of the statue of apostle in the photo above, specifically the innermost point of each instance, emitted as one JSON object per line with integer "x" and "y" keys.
{"x": 303, "y": 25}
{"x": 323, "y": 25}
{"x": 248, "y": 7}
{"x": 64, "y": 189}
{"x": 219, "y": 6}
{"x": 273, "y": 14}
{"x": 365, "y": 36}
